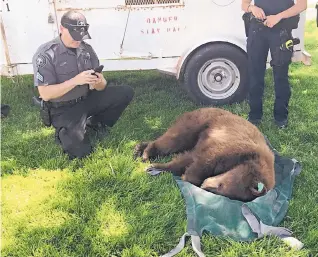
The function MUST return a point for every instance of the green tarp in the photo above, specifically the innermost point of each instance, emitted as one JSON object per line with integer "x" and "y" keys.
{"x": 220, "y": 216}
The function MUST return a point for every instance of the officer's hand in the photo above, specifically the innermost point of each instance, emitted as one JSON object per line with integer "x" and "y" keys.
{"x": 100, "y": 83}
{"x": 258, "y": 12}
{"x": 100, "y": 77}
{"x": 85, "y": 77}
{"x": 272, "y": 20}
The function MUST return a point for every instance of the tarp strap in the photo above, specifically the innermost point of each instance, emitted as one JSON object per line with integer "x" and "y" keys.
{"x": 297, "y": 168}
{"x": 196, "y": 245}
{"x": 262, "y": 229}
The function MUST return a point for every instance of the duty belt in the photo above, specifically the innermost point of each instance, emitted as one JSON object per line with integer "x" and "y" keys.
{"x": 289, "y": 23}
{"x": 66, "y": 103}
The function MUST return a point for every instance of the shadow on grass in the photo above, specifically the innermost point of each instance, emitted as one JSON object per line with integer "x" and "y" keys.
{"x": 107, "y": 215}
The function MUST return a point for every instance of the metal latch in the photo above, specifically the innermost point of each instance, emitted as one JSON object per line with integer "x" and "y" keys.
{"x": 50, "y": 18}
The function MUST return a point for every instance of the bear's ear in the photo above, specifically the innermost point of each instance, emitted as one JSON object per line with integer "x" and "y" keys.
{"x": 259, "y": 189}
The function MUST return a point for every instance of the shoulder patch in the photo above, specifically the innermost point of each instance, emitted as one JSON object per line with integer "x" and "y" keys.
{"x": 39, "y": 77}
{"x": 40, "y": 61}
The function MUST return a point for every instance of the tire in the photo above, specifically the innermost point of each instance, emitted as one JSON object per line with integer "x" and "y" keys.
{"x": 216, "y": 74}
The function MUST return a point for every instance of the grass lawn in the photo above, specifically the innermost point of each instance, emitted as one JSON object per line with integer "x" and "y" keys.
{"x": 105, "y": 205}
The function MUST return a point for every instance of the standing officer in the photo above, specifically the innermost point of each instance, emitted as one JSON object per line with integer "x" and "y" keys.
{"x": 71, "y": 96}
{"x": 270, "y": 28}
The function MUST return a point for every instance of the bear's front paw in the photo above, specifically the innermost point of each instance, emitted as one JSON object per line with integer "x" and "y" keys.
{"x": 139, "y": 150}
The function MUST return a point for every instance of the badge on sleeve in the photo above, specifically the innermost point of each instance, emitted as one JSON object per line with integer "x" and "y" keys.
{"x": 40, "y": 61}
{"x": 39, "y": 77}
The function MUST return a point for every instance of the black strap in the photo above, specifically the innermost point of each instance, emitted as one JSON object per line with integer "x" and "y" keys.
{"x": 289, "y": 23}
{"x": 65, "y": 103}
{"x": 38, "y": 101}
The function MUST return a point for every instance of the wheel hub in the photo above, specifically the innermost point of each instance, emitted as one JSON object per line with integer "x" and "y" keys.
{"x": 218, "y": 78}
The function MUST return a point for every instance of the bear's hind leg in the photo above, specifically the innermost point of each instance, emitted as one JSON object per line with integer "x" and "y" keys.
{"x": 177, "y": 166}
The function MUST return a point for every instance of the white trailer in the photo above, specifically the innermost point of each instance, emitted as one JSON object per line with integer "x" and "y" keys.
{"x": 200, "y": 42}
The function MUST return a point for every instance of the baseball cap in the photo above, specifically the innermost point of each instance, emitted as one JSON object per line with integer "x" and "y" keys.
{"x": 76, "y": 24}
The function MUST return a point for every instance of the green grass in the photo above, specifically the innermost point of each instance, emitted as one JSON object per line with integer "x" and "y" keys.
{"x": 105, "y": 205}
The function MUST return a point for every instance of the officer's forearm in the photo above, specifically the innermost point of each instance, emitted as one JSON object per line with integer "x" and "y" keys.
{"x": 300, "y": 6}
{"x": 54, "y": 91}
{"x": 245, "y": 5}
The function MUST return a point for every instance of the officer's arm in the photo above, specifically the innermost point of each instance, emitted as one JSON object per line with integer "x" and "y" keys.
{"x": 45, "y": 78}
{"x": 300, "y": 6}
{"x": 245, "y": 5}
{"x": 55, "y": 91}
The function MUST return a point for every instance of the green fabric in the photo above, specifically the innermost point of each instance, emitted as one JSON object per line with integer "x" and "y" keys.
{"x": 220, "y": 216}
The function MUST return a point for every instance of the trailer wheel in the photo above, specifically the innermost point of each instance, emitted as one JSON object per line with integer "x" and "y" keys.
{"x": 216, "y": 74}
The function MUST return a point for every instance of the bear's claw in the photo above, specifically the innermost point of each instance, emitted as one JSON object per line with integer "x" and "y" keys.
{"x": 153, "y": 171}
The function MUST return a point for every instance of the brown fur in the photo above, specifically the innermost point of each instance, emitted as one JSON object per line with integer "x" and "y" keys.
{"x": 217, "y": 150}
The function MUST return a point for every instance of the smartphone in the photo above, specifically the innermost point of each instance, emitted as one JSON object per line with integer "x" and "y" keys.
{"x": 98, "y": 69}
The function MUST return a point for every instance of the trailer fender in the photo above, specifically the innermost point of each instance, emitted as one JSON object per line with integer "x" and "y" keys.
{"x": 216, "y": 40}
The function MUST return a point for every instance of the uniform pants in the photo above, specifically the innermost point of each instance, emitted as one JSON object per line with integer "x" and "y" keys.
{"x": 70, "y": 121}
{"x": 260, "y": 40}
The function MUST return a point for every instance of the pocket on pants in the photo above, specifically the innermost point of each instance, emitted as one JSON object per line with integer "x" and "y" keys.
{"x": 280, "y": 55}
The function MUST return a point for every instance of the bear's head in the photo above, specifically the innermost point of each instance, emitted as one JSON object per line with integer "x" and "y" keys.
{"x": 244, "y": 182}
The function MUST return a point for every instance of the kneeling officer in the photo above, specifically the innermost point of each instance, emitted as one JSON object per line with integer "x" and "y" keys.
{"x": 73, "y": 97}
{"x": 271, "y": 28}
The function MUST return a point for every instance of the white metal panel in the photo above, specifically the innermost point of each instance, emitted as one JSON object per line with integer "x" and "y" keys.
{"x": 159, "y": 31}
{"x": 153, "y": 30}
{"x": 106, "y": 29}
{"x": 26, "y": 25}
{"x": 149, "y": 29}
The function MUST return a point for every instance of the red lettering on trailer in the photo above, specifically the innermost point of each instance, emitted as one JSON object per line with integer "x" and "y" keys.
{"x": 160, "y": 20}
{"x": 150, "y": 31}
{"x": 155, "y": 20}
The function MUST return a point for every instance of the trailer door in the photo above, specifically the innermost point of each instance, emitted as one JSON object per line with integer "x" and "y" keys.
{"x": 26, "y": 24}
{"x": 107, "y": 23}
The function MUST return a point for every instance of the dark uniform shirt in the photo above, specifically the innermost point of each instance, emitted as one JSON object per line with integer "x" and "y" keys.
{"x": 53, "y": 63}
{"x": 273, "y": 7}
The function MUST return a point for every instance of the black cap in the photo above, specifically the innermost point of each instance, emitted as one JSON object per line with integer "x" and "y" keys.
{"x": 76, "y": 24}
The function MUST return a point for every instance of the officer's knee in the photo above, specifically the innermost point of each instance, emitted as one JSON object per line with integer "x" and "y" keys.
{"x": 127, "y": 93}
{"x": 130, "y": 93}
{"x": 72, "y": 144}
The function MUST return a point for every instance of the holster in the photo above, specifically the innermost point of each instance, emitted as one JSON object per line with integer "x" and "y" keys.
{"x": 44, "y": 110}
{"x": 247, "y": 22}
{"x": 282, "y": 55}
